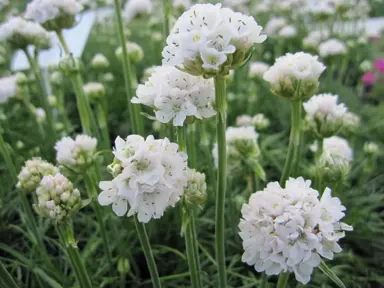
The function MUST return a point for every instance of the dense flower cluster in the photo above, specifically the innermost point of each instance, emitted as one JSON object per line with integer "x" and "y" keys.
{"x": 209, "y": 40}
{"x": 135, "y": 8}
{"x": 257, "y": 69}
{"x": 20, "y": 33}
{"x": 149, "y": 174}
{"x": 135, "y": 52}
{"x": 289, "y": 229}
{"x": 176, "y": 95}
{"x": 56, "y": 197}
{"x": 32, "y": 173}
{"x": 7, "y": 88}
{"x": 243, "y": 120}
{"x": 260, "y": 122}
{"x": 351, "y": 123}
{"x": 53, "y": 15}
{"x": 290, "y": 70}
{"x": 195, "y": 193}
{"x": 99, "y": 62}
{"x": 274, "y": 25}
{"x": 288, "y": 31}
{"x": 332, "y": 47}
{"x": 76, "y": 154}
{"x": 94, "y": 90}
{"x": 324, "y": 116}
{"x": 314, "y": 38}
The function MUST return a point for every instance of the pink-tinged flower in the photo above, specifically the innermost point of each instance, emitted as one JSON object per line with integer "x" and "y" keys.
{"x": 379, "y": 65}
{"x": 369, "y": 78}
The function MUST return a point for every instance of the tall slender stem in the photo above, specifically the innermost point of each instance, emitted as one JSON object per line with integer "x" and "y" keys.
{"x": 294, "y": 141}
{"x": 166, "y": 23}
{"x": 126, "y": 66}
{"x": 220, "y": 99}
{"x": 63, "y": 42}
{"x": 103, "y": 123}
{"x": 6, "y": 278}
{"x": 283, "y": 280}
{"x": 7, "y": 158}
{"x": 66, "y": 235}
{"x": 146, "y": 246}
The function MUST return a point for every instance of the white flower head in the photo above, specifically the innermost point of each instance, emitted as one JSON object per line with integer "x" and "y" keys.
{"x": 274, "y": 25}
{"x": 40, "y": 114}
{"x": 351, "y": 123}
{"x": 371, "y": 148}
{"x": 314, "y": 38}
{"x": 260, "y": 122}
{"x": 32, "y": 173}
{"x": 287, "y": 32}
{"x": 324, "y": 116}
{"x": 54, "y": 15}
{"x": 332, "y": 47}
{"x": 135, "y": 52}
{"x": 76, "y": 154}
{"x": 99, "y": 62}
{"x": 56, "y": 197}
{"x": 206, "y": 35}
{"x": 135, "y": 8}
{"x": 8, "y": 87}
{"x": 176, "y": 95}
{"x": 94, "y": 90}
{"x": 290, "y": 70}
{"x": 338, "y": 147}
{"x": 195, "y": 193}
{"x": 322, "y": 10}
{"x": 243, "y": 120}
{"x": 289, "y": 229}
{"x": 149, "y": 176}
{"x": 257, "y": 69}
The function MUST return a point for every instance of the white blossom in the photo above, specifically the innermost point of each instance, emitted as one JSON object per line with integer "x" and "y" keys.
{"x": 243, "y": 120}
{"x": 149, "y": 176}
{"x": 314, "y": 38}
{"x": 337, "y": 147}
{"x": 274, "y": 25}
{"x": 289, "y": 229}
{"x": 135, "y": 52}
{"x": 7, "y": 88}
{"x": 99, "y": 62}
{"x": 260, "y": 122}
{"x": 175, "y": 95}
{"x": 257, "y": 69}
{"x": 195, "y": 193}
{"x": 40, "y": 114}
{"x": 94, "y": 90}
{"x": 351, "y": 122}
{"x": 135, "y": 8}
{"x": 205, "y": 35}
{"x": 76, "y": 154}
{"x": 288, "y": 31}
{"x": 322, "y": 10}
{"x": 371, "y": 148}
{"x": 332, "y": 47}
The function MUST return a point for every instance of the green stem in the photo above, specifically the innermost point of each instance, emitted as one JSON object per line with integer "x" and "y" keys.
{"x": 283, "y": 280}
{"x": 220, "y": 93}
{"x": 63, "y": 111}
{"x": 63, "y": 42}
{"x": 294, "y": 141}
{"x": 195, "y": 247}
{"x": 167, "y": 12}
{"x": 136, "y": 108}
{"x": 126, "y": 66}
{"x": 146, "y": 246}
{"x": 6, "y": 278}
{"x": 66, "y": 235}
{"x": 192, "y": 146}
{"x": 103, "y": 124}
{"x": 7, "y": 158}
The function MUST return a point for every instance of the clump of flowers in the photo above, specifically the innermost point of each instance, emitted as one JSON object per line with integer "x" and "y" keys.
{"x": 274, "y": 25}
{"x": 288, "y": 32}
{"x": 175, "y": 95}
{"x": 260, "y": 122}
{"x": 290, "y": 229}
{"x": 149, "y": 175}
{"x": 94, "y": 91}
{"x": 99, "y": 62}
{"x": 371, "y": 148}
{"x": 195, "y": 193}
{"x": 332, "y": 48}
{"x": 257, "y": 70}
{"x": 8, "y": 88}
{"x": 136, "y": 8}
{"x": 314, "y": 39}
{"x": 324, "y": 116}
{"x": 351, "y": 123}
{"x": 243, "y": 120}
{"x": 209, "y": 40}
{"x": 76, "y": 154}
{"x": 54, "y": 15}
{"x": 135, "y": 52}
{"x": 40, "y": 114}
{"x": 56, "y": 197}
{"x": 295, "y": 76}
{"x": 32, "y": 173}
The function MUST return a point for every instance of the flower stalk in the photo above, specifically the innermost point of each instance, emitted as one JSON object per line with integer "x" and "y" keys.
{"x": 220, "y": 98}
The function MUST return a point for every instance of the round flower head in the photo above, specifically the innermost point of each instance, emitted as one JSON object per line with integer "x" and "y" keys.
{"x": 76, "y": 154}
{"x": 70, "y": 65}
{"x": 56, "y": 78}
{"x": 148, "y": 72}
{"x": 135, "y": 52}
{"x": 54, "y": 15}
{"x": 371, "y": 148}
{"x": 365, "y": 66}
{"x": 40, "y": 114}
{"x": 56, "y": 197}
{"x": 287, "y": 32}
{"x": 351, "y": 123}
{"x": 19, "y": 33}
{"x": 324, "y": 115}
{"x": 135, "y": 8}
{"x": 322, "y": 10}
{"x": 181, "y": 5}
{"x": 338, "y": 147}
{"x": 94, "y": 91}
{"x": 8, "y": 87}
{"x": 195, "y": 193}
{"x": 99, "y": 62}
{"x": 209, "y": 40}
{"x": 149, "y": 176}
{"x": 32, "y": 173}
{"x": 257, "y": 69}
{"x": 243, "y": 120}
{"x": 290, "y": 229}
{"x": 369, "y": 78}
{"x": 274, "y": 25}
{"x": 290, "y": 70}
{"x": 175, "y": 95}
{"x": 314, "y": 38}
{"x": 260, "y": 122}
{"x": 332, "y": 48}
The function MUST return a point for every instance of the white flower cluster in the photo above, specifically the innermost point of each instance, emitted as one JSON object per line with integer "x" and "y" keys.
{"x": 8, "y": 87}
{"x": 208, "y": 39}
{"x": 337, "y": 147}
{"x": 289, "y": 69}
{"x": 371, "y": 148}
{"x": 289, "y": 31}
{"x": 94, "y": 90}
{"x": 134, "y": 8}
{"x": 322, "y": 10}
{"x": 324, "y": 116}
{"x": 332, "y": 47}
{"x": 351, "y": 122}
{"x": 76, "y": 154}
{"x": 314, "y": 38}
{"x": 257, "y": 69}
{"x": 135, "y": 52}
{"x": 260, "y": 122}
{"x": 195, "y": 193}
{"x": 56, "y": 197}
{"x": 288, "y": 229}
{"x": 20, "y": 33}
{"x": 32, "y": 173}
{"x": 176, "y": 95}
{"x": 53, "y": 14}
{"x": 99, "y": 62}
{"x": 274, "y": 25}
{"x": 243, "y": 120}
{"x": 149, "y": 175}
{"x": 40, "y": 114}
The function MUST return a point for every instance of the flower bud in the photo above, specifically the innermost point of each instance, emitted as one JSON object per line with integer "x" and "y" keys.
{"x": 56, "y": 78}
{"x": 94, "y": 91}
{"x": 195, "y": 193}
{"x": 260, "y": 122}
{"x": 52, "y": 101}
{"x": 99, "y": 62}
{"x": 108, "y": 77}
{"x": 70, "y": 65}
{"x": 135, "y": 52}
{"x": 371, "y": 148}
{"x": 333, "y": 168}
{"x": 40, "y": 115}
{"x": 21, "y": 79}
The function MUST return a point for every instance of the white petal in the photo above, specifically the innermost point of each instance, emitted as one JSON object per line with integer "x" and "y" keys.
{"x": 164, "y": 117}
{"x": 120, "y": 207}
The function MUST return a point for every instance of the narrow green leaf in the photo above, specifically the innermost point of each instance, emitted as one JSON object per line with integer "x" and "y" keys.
{"x": 44, "y": 276}
{"x": 259, "y": 171}
{"x": 150, "y": 117}
{"x": 327, "y": 271}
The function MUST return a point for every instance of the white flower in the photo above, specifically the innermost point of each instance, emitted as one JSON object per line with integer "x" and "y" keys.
{"x": 205, "y": 35}
{"x": 332, "y": 47}
{"x": 94, "y": 90}
{"x": 260, "y": 122}
{"x": 195, "y": 193}
{"x": 257, "y": 69}
{"x": 135, "y": 52}
{"x": 338, "y": 147}
{"x": 288, "y": 31}
{"x": 351, "y": 122}
{"x": 76, "y": 154}
{"x": 181, "y": 4}
{"x": 174, "y": 95}
{"x": 289, "y": 229}
{"x": 32, "y": 173}
{"x": 371, "y": 148}
{"x": 56, "y": 197}
{"x": 99, "y": 62}
{"x": 314, "y": 38}
{"x": 20, "y": 33}
{"x": 149, "y": 176}
{"x": 284, "y": 75}
{"x": 322, "y": 10}
{"x": 274, "y": 25}
{"x": 7, "y": 88}
{"x": 243, "y": 120}
{"x": 53, "y": 14}
{"x": 134, "y": 8}
{"x": 40, "y": 114}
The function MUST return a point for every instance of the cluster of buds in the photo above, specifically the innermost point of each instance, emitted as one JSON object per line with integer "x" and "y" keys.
{"x": 99, "y": 62}
{"x": 70, "y": 65}
{"x": 134, "y": 51}
{"x": 195, "y": 193}
{"x": 32, "y": 173}
{"x": 95, "y": 91}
